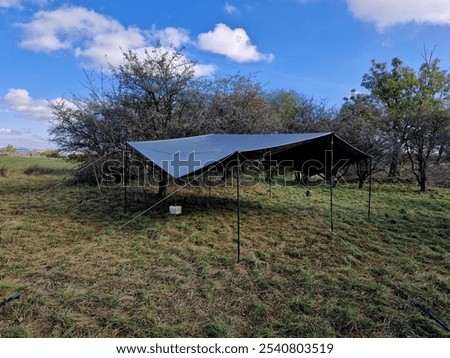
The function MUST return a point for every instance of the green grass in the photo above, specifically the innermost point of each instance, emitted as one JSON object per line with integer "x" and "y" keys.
{"x": 22, "y": 163}
{"x": 86, "y": 269}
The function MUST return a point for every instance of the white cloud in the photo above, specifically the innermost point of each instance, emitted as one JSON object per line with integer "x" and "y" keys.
{"x": 233, "y": 43}
{"x": 385, "y": 13}
{"x": 87, "y": 33}
{"x": 10, "y": 3}
{"x": 230, "y": 9}
{"x": 15, "y": 132}
{"x": 96, "y": 39}
{"x": 171, "y": 36}
{"x": 204, "y": 70}
{"x": 106, "y": 48}
{"x": 23, "y": 138}
{"x": 20, "y": 101}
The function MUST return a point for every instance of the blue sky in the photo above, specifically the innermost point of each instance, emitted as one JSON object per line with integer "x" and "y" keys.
{"x": 320, "y": 48}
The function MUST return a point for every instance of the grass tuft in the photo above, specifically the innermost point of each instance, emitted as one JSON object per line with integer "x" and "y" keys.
{"x": 221, "y": 327}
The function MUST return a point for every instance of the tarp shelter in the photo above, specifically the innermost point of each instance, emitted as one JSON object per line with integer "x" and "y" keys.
{"x": 181, "y": 157}
{"x": 310, "y": 153}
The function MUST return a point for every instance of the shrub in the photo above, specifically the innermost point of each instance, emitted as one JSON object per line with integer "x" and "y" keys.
{"x": 50, "y": 153}
{"x": 10, "y": 148}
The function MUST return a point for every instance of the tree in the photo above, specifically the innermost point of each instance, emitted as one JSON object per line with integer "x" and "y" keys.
{"x": 237, "y": 105}
{"x": 415, "y": 107}
{"x": 298, "y": 113}
{"x": 427, "y": 130}
{"x": 143, "y": 99}
{"x": 392, "y": 90}
{"x": 155, "y": 95}
{"x": 421, "y": 142}
{"x": 10, "y": 148}
{"x": 360, "y": 123}
{"x": 155, "y": 88}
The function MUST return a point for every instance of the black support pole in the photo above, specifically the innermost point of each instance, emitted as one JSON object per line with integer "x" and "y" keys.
{"x": 270, "y": 174}
{"x": 331, "y": 181}
{"x": 238, "y": 186}
{"x": 370, "y": 188}
{"x": 125, "y": 178}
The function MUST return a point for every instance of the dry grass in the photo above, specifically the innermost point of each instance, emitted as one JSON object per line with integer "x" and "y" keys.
{"x": 37, "y": 169}
{"x": 84, "y": 272}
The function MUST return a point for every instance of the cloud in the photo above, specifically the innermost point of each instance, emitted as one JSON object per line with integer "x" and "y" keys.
{"x": 233, "y": 43}
{"x": 204, "y": 70}
{"x": 171, "y": 36}
{"x": 230, "y": 9}
{"x": 385, "y": 13}
{"x": 98, "y": 40}
{"x": 19, "y": 4}
{"x": 10, "y": 3}
{"x": 23, "y": 138}
{"x": 85, "y": 32}
{"x": 15, "y": 132}
{"x": 19, "y": 100}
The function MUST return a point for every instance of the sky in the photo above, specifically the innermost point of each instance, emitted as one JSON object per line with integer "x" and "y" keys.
{"x": 320, "y": 48}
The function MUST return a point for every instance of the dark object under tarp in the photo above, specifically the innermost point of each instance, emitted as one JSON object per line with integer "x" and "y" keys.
{"x": 307, "y": 153}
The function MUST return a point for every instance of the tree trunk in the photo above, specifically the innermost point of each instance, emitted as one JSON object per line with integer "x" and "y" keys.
{"x": 362, "y": 171}
{"x": 360, "y": 183}
{"x": 422, "y": 174}
{"x": 422, "y": 185}
{"x": 395, "y": 158}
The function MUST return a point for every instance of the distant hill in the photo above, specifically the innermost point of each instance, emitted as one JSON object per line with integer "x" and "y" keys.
{"x": 24, "y": 150}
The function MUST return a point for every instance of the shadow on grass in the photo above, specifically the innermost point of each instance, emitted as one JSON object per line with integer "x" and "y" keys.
{"x": 105, "y": 205}
{"x": 38, "y": 169}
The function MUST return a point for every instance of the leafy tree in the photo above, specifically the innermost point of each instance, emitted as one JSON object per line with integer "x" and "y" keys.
{"x": 155, "y": 89}
{"x": 298, "y": 113}
{"x": 427, "y": 131}
{"x": 10, "y": 148}
{"x": 360, "y": 123}
{"x": 392, "y": 89}
{"x": 237, "y": 105}
{"x": 286, "y": 105}
{"x": 415, "y": 107}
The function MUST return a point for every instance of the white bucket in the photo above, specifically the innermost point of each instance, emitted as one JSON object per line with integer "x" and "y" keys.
{"x": 175, "y": 210}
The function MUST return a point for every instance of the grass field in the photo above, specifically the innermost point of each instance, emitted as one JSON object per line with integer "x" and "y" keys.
{"x": 20, "y": 164}
{"x": 86, "y": 269}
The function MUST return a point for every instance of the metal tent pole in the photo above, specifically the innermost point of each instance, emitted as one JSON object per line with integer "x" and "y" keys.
{"x": 270, "y": 173}
{"x": 125, "y": 178}
{"x": 370, "y": 187}
{"x": 331, "y": 181}
{"x": 238, "y": 186}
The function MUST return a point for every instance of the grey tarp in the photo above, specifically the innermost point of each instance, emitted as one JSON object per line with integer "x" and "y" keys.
{"x": 184, "y": 156}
